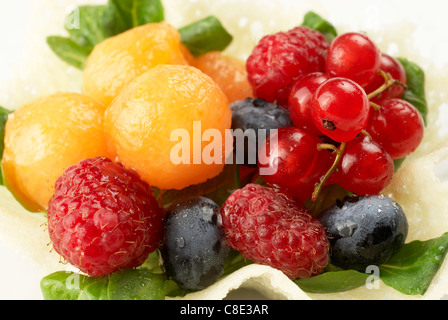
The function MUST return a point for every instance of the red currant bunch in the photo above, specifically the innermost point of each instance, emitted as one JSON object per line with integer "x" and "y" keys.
{"x": 350, "y": 119}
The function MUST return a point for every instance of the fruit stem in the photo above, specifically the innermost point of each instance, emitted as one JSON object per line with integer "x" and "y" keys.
{"x": 365, "y": 133}
{"x": 339, "y": 153}
{"x": 375, "y": 106}
{"x": 388, "y": 82}
{"x": 326, "y": 146}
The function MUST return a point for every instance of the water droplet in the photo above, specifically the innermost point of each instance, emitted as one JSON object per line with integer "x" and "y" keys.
{"x": 180, "y": 242}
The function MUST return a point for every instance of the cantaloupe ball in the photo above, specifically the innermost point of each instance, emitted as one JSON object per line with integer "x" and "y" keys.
{"x": 166, "y": 108}
{"x": 45, "y": 137}
{"x": 118, "y": 60}
{"x": 228, "y": 72}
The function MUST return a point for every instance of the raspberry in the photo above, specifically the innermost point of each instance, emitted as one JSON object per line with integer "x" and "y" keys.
{"x": 103, "y": 217}
{"x": 281, "y": 58}
{"x": 269, "y": 228}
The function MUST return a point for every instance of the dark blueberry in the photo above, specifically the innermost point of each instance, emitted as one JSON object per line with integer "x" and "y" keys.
{"x": 256, "y": 117}
{"x": 194, "y": 250}
{"x": 365, "y": 231}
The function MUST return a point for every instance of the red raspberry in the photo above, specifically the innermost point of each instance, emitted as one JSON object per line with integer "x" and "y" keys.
{"x": 281, "y": 58}
{"x": 103, "y": 217}
{"x": 269, "y": 228}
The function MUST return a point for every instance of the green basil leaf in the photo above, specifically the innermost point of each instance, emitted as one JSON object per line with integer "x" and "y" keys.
{"x": 415, "y": 92}
{"x": 132, "y": 284}
{"x": 327, "y": 198}
{"x": 315, "y": 22}
{"x": 333, "y": 281}
{"x": 88, "y": 27}
{"x": 127, "y": 14}
{"x": 64, "y": 285}
{"x": 153, "y": 263}
{"x": 3, "y": 118}
{"x": 412, "y": 269}
{"x": 205, "y": 35}
{"x": 69, "y": 51}
{"x": 234, "y": 261}
{"x": 135, "y": 284}
{"x": 398, "y": 163}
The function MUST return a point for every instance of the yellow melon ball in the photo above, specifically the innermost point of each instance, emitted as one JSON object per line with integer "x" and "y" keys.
{"x": 118, "y": 60}
{"x": 228, "y": 72}
{"x": 169, "y": 124}
{"x": 45, "y": 137}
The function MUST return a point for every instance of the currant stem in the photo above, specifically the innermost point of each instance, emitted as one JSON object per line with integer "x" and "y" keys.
{"x": 326, "y": 146}
{"x": 388, "y": 82}
{"x": 339, "y": 153}
{"x": 375, "y": 106}
{"x": 365, "y": 133}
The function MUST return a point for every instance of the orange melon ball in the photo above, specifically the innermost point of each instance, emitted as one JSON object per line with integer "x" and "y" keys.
{"x": 169, "y": 124}
{"x": 45, "y": 137}
{"x": 118, "y": 60}
{"x": 228, "y": 72}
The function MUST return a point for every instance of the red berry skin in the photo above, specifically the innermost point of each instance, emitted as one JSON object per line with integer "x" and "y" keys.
{"x": 397, "y": 126}
{"x": 365, "y": 169}
{"x": 355, "y": 56}
{"x": 340, "y": 109}
{"x": 396, "y": 70}
{"x": 300, "y": 97}
{"x": 269, "y": 228}
{"x": 103, "y": 217}
{"x": 281, "y": 58}
{"x": 295, "y": 163}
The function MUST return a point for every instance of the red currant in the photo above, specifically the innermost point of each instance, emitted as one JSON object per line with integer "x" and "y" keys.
{"x": 397, "y": 126}
{"x": 290, "y": 161}
{"x": 395, "y": 69}
{"x": 365, "y": 169}
{"x": 299, "y": 105}
{"x": 340, "y": 109}
{"x": 355, "y": 56}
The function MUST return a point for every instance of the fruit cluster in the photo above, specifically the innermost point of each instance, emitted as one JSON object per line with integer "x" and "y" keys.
{"x": 338, "y": 117}
{"x": 350, "y": 122}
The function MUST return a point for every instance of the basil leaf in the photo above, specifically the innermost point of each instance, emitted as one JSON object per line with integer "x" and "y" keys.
{"x": 129, "y": 284}
{"x": 3, "y": 118}
{"x": 205, "y": 35}
{"x": 134, "y": 284}
{"x": 415, "y": 92}
{"x": 69, "y": 51}
{"x": 398, "y": 163}
{"x": 127, "y": 14}
{"x": 234, "y": 261}
{"x": 315, "y": 22}
{"x": 328, "y": 197}
{"x": 89, "y": 25}
{"x": 90, "y": 28}
{"x": 64, "y": 285}
{"x": 412, "y": 269}
{"x": 333, "y": 281}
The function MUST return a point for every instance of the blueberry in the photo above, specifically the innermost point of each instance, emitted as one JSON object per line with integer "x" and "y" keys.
{"x": 256, "y": 114}
{"x": 194, "y": 250}
{"x": 364, "y": 231}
